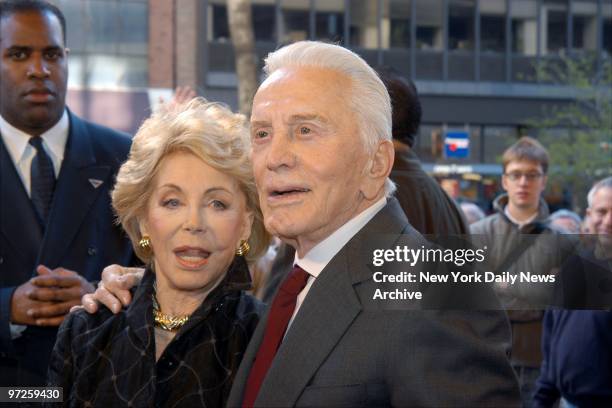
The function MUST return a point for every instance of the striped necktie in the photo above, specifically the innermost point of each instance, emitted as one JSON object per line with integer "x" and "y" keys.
{"x": 42, "y": 177}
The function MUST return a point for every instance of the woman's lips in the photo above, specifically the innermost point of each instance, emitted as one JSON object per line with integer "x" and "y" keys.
{"x": 191, "y": 258}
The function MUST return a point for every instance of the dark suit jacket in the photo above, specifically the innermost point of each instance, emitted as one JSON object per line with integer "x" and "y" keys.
{"x": 80, "y": 235}
{"x": 346, "y": 349}
{"x": 428, "y": 208}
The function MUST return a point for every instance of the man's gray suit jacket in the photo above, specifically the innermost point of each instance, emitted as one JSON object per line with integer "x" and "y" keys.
{"x": 345, "y": 349}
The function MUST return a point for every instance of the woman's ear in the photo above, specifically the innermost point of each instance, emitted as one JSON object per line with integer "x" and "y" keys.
{"x": 142, "y": 226}
{"x": 247, "y": 225}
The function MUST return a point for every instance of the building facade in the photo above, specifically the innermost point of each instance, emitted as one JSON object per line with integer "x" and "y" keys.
{"x": 471, "y": 60}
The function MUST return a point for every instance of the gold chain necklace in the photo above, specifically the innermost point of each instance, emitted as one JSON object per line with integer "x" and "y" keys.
{"x": 164, "y": 321}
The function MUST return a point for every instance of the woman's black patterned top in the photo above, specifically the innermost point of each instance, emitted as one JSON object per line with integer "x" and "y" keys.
{"x": 107, "y": 360}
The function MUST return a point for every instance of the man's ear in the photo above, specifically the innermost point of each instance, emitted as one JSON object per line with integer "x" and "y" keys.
{"x": 378, "y": 169}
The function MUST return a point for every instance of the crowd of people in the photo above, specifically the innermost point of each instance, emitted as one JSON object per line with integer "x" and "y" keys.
{"x": 160, "y": 237}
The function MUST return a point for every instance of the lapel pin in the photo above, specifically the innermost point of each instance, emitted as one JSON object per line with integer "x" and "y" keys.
{"x": 95, "y": 182}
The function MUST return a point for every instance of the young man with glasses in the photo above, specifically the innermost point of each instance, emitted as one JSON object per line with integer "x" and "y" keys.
{"x": 518, "y": 239}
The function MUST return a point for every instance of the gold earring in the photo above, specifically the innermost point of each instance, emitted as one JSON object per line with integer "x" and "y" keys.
{"x": 145, "y": 243}
{"x": 243, "y": 249}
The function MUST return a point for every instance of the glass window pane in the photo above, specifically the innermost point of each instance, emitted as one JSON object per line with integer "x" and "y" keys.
{"x": 524, "y": 26}
{"x": 134, "y": 37}
{"x": 429, "y": 144}
{"x": 554, "y": 26}
{"x": 364, "y": 24}
{"x": 429, "y": 30}
{"x": 461, "y": 25}
{"x": 496, "y": 140}
{"x": 220, "y": 27}
{"x": 396, "y": 24}
{"x": 109, "y": 42}
{"x": 76, "y": 22}
{"x": 264, "y": 22}
{"x": 295, "y": 21}
{"x": 584, "y": 30}
{"x": 102, "y": 26}
{"x": 607, "y": 26}
{"x": 493, "y": 26}
{"x": 329, "y": 20}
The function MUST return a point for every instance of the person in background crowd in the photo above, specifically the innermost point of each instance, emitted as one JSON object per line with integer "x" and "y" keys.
{"x": 56, "y": 170}
{"x": 577, "y": 344}
{"x": 428, "y": 208}
{"x": 565, "y": 221}
{"x": 187, "y": 199}
{"x": 324, "y": 340}
{"x": 472, "y": 212}
{"x": 519, "y": 238}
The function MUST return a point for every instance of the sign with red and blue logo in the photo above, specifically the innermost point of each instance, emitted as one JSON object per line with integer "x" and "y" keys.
{"x": 457, "y": 144}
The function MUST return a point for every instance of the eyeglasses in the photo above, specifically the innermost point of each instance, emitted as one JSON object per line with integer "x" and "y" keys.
{"x": 517, "y": 175}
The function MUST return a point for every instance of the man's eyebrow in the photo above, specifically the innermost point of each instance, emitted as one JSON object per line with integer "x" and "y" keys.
{"x": 19, "y": 48}
{"x": 308, "y": 117}
{"x": 260, "y": 123}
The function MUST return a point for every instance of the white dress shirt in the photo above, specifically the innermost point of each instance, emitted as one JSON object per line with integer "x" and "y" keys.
{"x": 22, "y": 152}
{"x": 516, "y": 222}
{"x": 321, "y": 254}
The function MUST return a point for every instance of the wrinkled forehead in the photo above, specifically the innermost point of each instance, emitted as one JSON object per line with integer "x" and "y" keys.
{"x": 303, "y": 90}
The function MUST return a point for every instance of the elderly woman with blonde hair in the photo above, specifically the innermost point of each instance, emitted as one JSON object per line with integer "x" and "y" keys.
{"x": 187, "y": 199}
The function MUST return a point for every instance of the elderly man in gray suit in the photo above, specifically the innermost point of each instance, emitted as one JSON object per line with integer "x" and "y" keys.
{"x": 322, "y": 154}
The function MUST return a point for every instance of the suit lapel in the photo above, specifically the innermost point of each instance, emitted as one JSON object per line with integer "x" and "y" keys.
{"x": 18, "y": 220}
{"x": 77, "y": 189}
{"x": 328, "y": 310}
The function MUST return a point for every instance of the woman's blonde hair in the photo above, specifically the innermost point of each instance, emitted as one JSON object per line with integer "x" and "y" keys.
{"x": 208, "y": 130}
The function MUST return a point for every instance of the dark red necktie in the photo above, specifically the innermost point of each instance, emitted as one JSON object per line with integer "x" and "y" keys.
{"x": 281, "y": 311}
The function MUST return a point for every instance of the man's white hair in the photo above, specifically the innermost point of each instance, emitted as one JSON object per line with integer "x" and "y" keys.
{"x": 368, "y": 96}
{"x": 605, "y": 183}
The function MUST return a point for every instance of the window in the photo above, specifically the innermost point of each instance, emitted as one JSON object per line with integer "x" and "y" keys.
{"x": 396, "y": 23}
{"x": 364, "y": 24}
{"x": 461, "y": 25}
{"x": 295, "y": 21}
{"x": 109, "y": 42}
{"x": 496, "y": 140}
{"x": 584, "y": 30}
{"x": 554, "y": 26}
{"x": 429, "y": 25}
{"x": 493, "y": 26}
{"x": 329, "y": 20}
{"x": 607, "y": 26}
{"x": 524, "y": 26}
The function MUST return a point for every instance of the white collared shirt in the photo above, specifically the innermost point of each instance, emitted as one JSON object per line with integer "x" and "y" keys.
{"x": 321, "y": 254}
{"x": 22, "y": 152}
{"x": 516, "y": 222}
